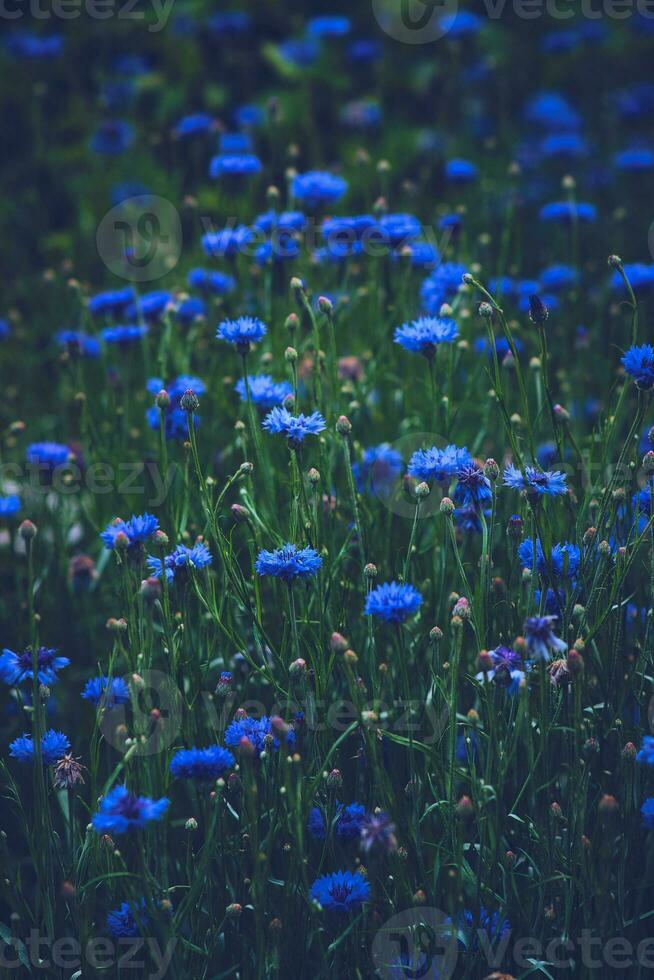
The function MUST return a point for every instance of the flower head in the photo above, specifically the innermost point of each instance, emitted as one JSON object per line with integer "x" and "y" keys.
{"x": 436, "y": 464}
{"x": 18, "y": 667}
{"x": 549, "y": 483}
{"x": 53, "y": 746}
{"x": 563, "y": 562}
{"x": 137, "y": 530}
{"x": 203, "y": 764}
{"x": 341, "y": 891}
{"x": 9, "y": 505}
{"x": 121, "y": 811}
{"x": 68, "y": 772}
{"x": 180, "y": 560}
{"x": 234, "y": 165}
{"x": 540, "y": 637}
{"x": 393, "y": 602}
{"x": 104, "y": 693}
{"x": 318, "y": 187}
{"x": 473, "y": 486}
{"x": 258, "y": 732}
{"x": 646, "y": 753}
{"x": 424, "y": 335}
{"x": 47, "y": 454}
{"x": 127, "y": 922}
{"x": 242, "y": 332}
{"x": 288, "y": 563}
{"x": 639, "y": 364}
{"x": 377, "y": 833}
{"x": 295, "y": 427}
{"x": 378, "y": 471}
{"x": 264, "y": 392}
{"x": 647, "y": 813}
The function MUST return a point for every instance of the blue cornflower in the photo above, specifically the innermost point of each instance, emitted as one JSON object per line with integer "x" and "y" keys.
{"x": 47, "y": 454}
{"x": 635, "y": 160}
{"x": 639, "y": 363}
{"x": 302, "y": 53}
{"x": 112, "y": 302}
{"x": 113, "y": 136}
{"x": 126, "y": 922}
{"x": 210, "y": 763}
{"x": 228, "y": 242}
{"x": 136, "y": 530}
{"x": 550, "y": 483}
{"x": 196, "y": 124}
{"x": 640, "y": 276}
{"x": 151, "y": 306}
{"x": 296, "y": 428}
{"x": 378, "y": 471}
{"x": 564, "y": 559}
{"x": 249, "y": 116}
{"x": 123, "y": 336}
{"x": 121, "y": 810}
{"x": 473, "y": 486}
{"x": 641, "y": 502}
{"x": 393, "y": 602}
{"x": 258, "y": 732}
{"x": 494, "y": 925}
{"x": 341, "y": 891}
{"x": 399, "y": 229}
{"x": 234, "y": 165}
{"x": 502, "y": 347}
{"x": 462, "y": 23}
{"x": 9, "y": 505}
{"x": 441, "y": 286}
{"x": 646, "y": 754}
{"x": 318, "y": 187}
{"x": 264, "y": 392}
{"x": 104, "y": 693}
{"x": 175, "y": 418}
{"x": 461, "y": 171}
{"x": 190, "y": 310}
{"x": 540, "y": 637}
{"x": 647, "y": 813}
{"x": 564, "y": 146}
{"x": 507, "y": 670}
{"x": 565, "y": 212}
{"x": 54, "y": 745}
{"x": 329, "y": 26}
{"x": 557, "y": 278}
{"x": 5, "y": 329}
{"x": 288, "y": 563}
{"x": 235, "y": 143}
{"x": 423, "y": 335}
{"x": 181, "y": 559}
{"x": 208, "y": 281}
{"x": 17, "y": 667}
{"x": 468, "y": 518}
{"x": 364, "y": 51}
{"x": 348, "y": 822}
{"x": 34, "y": 47}
{"x": 551, "y": 110}
{"x": 242, "y": 332}
{"x": 439, "y": 465}
{"x": 78, "y": 344}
